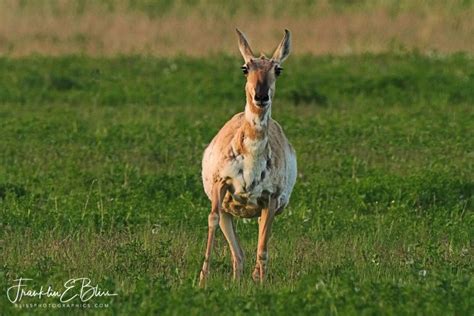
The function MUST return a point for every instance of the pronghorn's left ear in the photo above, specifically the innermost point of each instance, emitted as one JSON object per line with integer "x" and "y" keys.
{"x": 244, "y": 47}
{"x": 283, "y": 50}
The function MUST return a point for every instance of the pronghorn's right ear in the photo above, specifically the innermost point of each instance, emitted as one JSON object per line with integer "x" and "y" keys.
{"x": 244, "y": 47}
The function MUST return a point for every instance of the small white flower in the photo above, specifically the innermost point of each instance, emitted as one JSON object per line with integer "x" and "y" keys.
{"x": 320, "y": 285}
{"x": 155, "y": 229}
{"x": 375, "y": 259}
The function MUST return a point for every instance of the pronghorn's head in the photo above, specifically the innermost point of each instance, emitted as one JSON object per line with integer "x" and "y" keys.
{"x": 262, "y": 72}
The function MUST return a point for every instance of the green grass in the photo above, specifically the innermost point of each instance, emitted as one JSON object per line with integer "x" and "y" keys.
{"x": 100, "y": 178}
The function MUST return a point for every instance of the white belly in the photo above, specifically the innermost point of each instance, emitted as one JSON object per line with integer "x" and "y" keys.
{"x": 251, "y": 183}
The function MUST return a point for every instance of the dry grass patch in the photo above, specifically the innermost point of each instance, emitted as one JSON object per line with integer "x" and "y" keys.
{"x": 201, "y": 30}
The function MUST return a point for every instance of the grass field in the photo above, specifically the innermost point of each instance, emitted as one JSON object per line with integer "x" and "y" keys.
{"x": 100, "y": 178}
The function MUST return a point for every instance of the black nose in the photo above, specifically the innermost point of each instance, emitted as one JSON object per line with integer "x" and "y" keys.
{"x": 262, "y": 97}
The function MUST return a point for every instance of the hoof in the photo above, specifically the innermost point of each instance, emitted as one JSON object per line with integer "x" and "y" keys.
{"x": 202, "y": 279}
{"x": 256, "y": 275}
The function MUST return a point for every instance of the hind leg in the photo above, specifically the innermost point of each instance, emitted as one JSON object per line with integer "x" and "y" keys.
{"x": 227, "y": 226}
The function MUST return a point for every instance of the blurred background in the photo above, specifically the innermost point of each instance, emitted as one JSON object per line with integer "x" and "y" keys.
{"x": 202, "y": 27}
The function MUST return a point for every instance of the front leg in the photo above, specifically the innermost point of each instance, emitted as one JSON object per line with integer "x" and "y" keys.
{"x": 218, "y": 192}
{"x": 264, "y": 231}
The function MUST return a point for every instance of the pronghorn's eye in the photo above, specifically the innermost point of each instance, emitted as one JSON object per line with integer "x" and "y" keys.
{"x": 278, "y": 70}
{"x": 245, "y": 70}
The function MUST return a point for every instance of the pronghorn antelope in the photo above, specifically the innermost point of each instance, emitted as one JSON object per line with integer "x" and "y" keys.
{"x": 249, "y": 168}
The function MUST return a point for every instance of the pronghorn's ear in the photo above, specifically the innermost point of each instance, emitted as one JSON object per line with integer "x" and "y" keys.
{"x": 283, "y": 50}
{"x": 244, "y": 47}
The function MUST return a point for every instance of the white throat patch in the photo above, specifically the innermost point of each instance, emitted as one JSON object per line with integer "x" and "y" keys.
{"x": 259, "y": 122}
